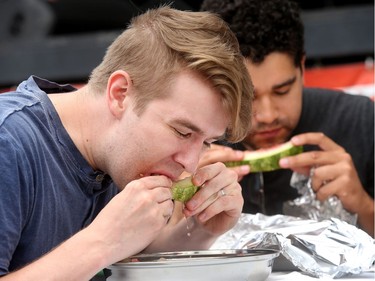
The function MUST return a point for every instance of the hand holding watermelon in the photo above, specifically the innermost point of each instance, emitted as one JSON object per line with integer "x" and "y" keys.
{"x": 334, "y": 175}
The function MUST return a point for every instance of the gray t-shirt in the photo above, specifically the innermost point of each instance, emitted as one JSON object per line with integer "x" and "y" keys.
{"x": 346, "y": 119}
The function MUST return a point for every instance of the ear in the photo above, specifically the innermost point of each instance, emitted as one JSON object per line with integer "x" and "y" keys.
{"x": 118, "y": 89}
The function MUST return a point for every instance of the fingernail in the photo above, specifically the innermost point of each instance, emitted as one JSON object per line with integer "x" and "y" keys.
{"x": 296, "y": 140}
{"x": 245, "y": 168}
{"x": 239, "y": 153}
{"x": 197, "y": 180}
{"x": 202, "y": 217}
{"x": 192, "y": 204}
{"x": 284, "y": 163}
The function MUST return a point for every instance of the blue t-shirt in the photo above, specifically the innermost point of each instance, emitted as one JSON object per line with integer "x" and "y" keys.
{"x": 48, "y": 191}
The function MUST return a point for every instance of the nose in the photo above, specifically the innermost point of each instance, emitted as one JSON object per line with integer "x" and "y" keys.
{"x": 265, "y": 110}
{"x": 188, "y": 156}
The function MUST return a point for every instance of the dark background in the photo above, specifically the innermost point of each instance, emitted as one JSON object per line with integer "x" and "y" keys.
{"x": 63, "y": 40}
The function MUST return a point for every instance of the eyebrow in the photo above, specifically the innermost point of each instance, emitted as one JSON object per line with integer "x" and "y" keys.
{"x": 195, "y": 129}
{"x": 285, "y": 83}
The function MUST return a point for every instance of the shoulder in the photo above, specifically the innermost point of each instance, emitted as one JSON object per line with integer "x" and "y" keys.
{"x": 331, "y": 94}
{"x": 27, "y": 95}
{"x": 336, "y": 100}
{"x": 24, "y": 125}
{"x": 336, "y": 112}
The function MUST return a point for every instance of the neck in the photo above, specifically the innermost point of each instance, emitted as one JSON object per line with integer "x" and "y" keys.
{"x": 77, "y": 114}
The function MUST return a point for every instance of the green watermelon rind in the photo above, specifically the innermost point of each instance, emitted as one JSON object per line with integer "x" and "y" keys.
{"x": 267, "y": 160}
{"x": 183, "y": 190}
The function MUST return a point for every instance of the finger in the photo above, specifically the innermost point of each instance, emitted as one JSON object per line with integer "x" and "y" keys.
{"x": 312, "y": 159}
{"x": 324, "y": 191}
{"x": 221, "y": 154}
{"x": 319, "y": 139}
{"x": 218, "y": 188}
{"x": 227, "y": 201}
{"x": 219, "y": 147}
{"x": 333, "y": 188}
{"x": 156, "y": 181}
{"x": 206, "y": 173}
{"x": 214, "y": 177}
{"x": 159, "y": 187}
{"x": 241, "y": 171}
{"x": 340, "y": 179}
{"x": 321, "y": 176}
{"x": 327, "y": 173}
{"x": 162, "y": 194}
{"x": 166, "y": 210}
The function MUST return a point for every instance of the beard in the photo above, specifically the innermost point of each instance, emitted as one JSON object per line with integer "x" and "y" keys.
{"x": 280, "y": 132}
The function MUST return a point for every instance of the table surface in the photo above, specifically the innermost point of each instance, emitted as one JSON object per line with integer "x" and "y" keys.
{"x": 296, "y": 275}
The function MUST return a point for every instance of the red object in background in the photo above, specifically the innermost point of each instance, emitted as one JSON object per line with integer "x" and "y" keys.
{"x": 355, "y": 78}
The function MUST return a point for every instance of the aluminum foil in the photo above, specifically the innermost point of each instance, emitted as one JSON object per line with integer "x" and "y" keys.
{"x": 308, "y": 207}
{"x": 329, "y": 248}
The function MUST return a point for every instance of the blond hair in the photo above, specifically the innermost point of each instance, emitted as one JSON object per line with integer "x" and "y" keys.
{"x": 164, "y": 41}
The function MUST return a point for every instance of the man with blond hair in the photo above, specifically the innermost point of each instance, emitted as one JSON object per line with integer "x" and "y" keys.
{"x": 87, "y": 174}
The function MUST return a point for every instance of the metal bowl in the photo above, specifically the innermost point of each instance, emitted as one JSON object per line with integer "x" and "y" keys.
{"x": 217, "y": 265}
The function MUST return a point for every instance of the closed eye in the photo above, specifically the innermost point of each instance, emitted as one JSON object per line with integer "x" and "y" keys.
{"x": 282, "y": 92}
{"x": 188, "y": 135}
{"x": 284, "y": 88}
{"x": 182, "y": 135}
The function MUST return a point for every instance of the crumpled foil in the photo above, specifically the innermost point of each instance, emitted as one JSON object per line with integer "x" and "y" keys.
{"x": 330, "y": 248}
{"x": 308, "y": 207}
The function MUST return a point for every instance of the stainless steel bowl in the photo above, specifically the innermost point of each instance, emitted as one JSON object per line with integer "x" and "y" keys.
{"x": 216, "y": 265}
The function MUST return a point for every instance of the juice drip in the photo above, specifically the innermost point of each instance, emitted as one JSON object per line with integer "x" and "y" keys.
{"x": 187, "y": 226}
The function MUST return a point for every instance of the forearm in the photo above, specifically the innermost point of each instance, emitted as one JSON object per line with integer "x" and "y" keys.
{"x": 78, "y": 258}
{"x": 366, "y": 215}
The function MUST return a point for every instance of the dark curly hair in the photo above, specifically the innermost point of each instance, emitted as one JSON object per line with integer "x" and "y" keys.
{"x": 263, "y": 26}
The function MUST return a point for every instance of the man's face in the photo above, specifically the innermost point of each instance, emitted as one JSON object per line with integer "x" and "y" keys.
{"x": 277, "y": 101}
{"x": 170, "y": 135}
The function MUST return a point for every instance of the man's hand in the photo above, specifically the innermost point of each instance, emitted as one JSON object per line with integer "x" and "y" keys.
{"x": 125, "y": 226}
{"x": 220, "y": 153}
{"x": 334, "y": 174}
{"x": 134, "y": 217}
{"x": 213, "y": 210}
{"x": 218, "y": 203}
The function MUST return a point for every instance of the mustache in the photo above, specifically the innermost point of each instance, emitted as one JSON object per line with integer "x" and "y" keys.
{"x": 259, "y": 126}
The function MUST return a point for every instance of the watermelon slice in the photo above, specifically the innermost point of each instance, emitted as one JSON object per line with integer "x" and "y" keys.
{"x": 264, "y": 160}
{"x": 183, "y": 190}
